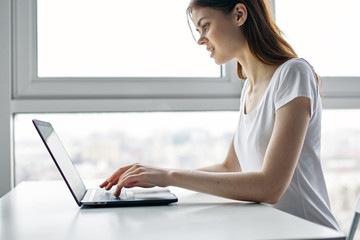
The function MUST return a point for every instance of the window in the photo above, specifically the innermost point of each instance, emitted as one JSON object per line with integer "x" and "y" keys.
{"x": 99, "y": 143}
{"x": 341, "y": 161}
{"x": 87, "y": 49}
{"x": 85, "y": 38}
{"x": 323, "y": 33}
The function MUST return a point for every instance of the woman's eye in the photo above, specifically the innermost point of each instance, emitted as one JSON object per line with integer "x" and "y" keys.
{"x": 205, "y": 26}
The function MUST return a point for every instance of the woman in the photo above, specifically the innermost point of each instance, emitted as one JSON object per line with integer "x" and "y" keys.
{"x": 274, "y": 157}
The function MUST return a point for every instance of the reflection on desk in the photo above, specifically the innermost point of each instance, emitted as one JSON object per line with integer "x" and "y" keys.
{"x": 46, "y": 210}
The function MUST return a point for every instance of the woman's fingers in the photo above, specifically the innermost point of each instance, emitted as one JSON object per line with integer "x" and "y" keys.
{"x": 136, "y": 175}
{"x": 135, "y": 169}
{"x": 134, "y": 180}
{"x": 104, "y": 184}
{"x": 114, "y": 178}
{"x": 108, "y": 184}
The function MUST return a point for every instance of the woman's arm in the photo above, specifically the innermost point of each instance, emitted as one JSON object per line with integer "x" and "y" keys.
{"x": 267, "y": 185}
{"x": 230, "y": 164}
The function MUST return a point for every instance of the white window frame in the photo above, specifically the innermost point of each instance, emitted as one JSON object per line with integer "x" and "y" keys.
{"x": 6, "y": 116}
{"x": 27, "y": 85}
{"x": 22, "y": 92}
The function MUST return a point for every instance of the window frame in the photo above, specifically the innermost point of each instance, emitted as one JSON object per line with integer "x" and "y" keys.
{"x": 29, "y": 86}
{"x": 6, "y": 117}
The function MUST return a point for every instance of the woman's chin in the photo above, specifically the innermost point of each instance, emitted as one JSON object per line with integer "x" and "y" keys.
{"x": 220, "y": 61}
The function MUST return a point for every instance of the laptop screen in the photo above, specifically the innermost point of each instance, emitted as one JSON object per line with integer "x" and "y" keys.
{"x": 61, "y": 159}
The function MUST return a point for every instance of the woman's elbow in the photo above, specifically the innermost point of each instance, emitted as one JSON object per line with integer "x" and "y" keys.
{"x": 272, "y": 196}
{"x": 267, "y": 197}
{"x": 273, "y": 189}
{"x": 273, "y": 199}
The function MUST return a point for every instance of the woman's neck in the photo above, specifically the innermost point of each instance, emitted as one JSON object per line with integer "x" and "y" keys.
{"x": 256, "y": 71}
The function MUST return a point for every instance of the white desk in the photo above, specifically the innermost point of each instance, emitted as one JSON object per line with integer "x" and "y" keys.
{"x": 27, "y": 213}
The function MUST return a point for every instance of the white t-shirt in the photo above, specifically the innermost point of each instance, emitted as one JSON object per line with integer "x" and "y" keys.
{"x": 306, "y": 196}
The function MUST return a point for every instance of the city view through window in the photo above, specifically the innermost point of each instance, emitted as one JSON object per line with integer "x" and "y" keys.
{"x": 100, "y": 143}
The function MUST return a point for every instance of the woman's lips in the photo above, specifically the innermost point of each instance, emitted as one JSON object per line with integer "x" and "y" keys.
{"x": 211, "y": 49}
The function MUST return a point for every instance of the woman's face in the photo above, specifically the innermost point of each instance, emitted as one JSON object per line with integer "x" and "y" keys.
{"x": 220, "y": 33}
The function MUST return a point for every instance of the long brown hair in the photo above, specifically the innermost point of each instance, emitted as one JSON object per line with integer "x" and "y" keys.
{"x": 263, "y": 36}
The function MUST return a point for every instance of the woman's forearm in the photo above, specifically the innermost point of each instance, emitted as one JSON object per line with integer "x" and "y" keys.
{"x": 252, "y": 186}
{"x": 214, "y": 168}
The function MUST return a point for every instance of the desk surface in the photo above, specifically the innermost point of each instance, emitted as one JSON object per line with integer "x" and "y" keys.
{"x": 27, "y": 213}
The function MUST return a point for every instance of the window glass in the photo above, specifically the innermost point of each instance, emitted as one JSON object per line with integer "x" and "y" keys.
{"x": 102, "y": 142}
{"x": 117, "y": 38}
{"x": 341, "y": 161}
{"x": 324, "y": 32}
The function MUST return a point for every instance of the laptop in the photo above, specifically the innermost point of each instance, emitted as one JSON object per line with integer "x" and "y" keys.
{"x": 95, "y": 197}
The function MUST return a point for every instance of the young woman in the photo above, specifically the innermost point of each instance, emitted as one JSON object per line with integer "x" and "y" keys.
{"x": 274, "y": 157}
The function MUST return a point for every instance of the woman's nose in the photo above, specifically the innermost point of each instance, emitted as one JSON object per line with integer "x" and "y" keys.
{"x": 202, "y": 40}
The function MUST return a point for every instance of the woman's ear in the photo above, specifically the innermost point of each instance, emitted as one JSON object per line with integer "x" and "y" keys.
{"x": 240, "y": 13}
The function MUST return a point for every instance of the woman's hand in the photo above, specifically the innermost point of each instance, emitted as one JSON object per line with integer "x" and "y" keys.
{"x": 137, "y": 175}
{"x": 114, "y": 178}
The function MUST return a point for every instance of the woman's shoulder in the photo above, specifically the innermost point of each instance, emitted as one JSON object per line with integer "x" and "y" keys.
{"x": 296, "y": 64}
{"x": 295, "y": 69}
{"x": 295, "y": 73}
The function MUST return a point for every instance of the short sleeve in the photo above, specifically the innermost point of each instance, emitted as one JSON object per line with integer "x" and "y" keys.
{"x": 296, "y": 79}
